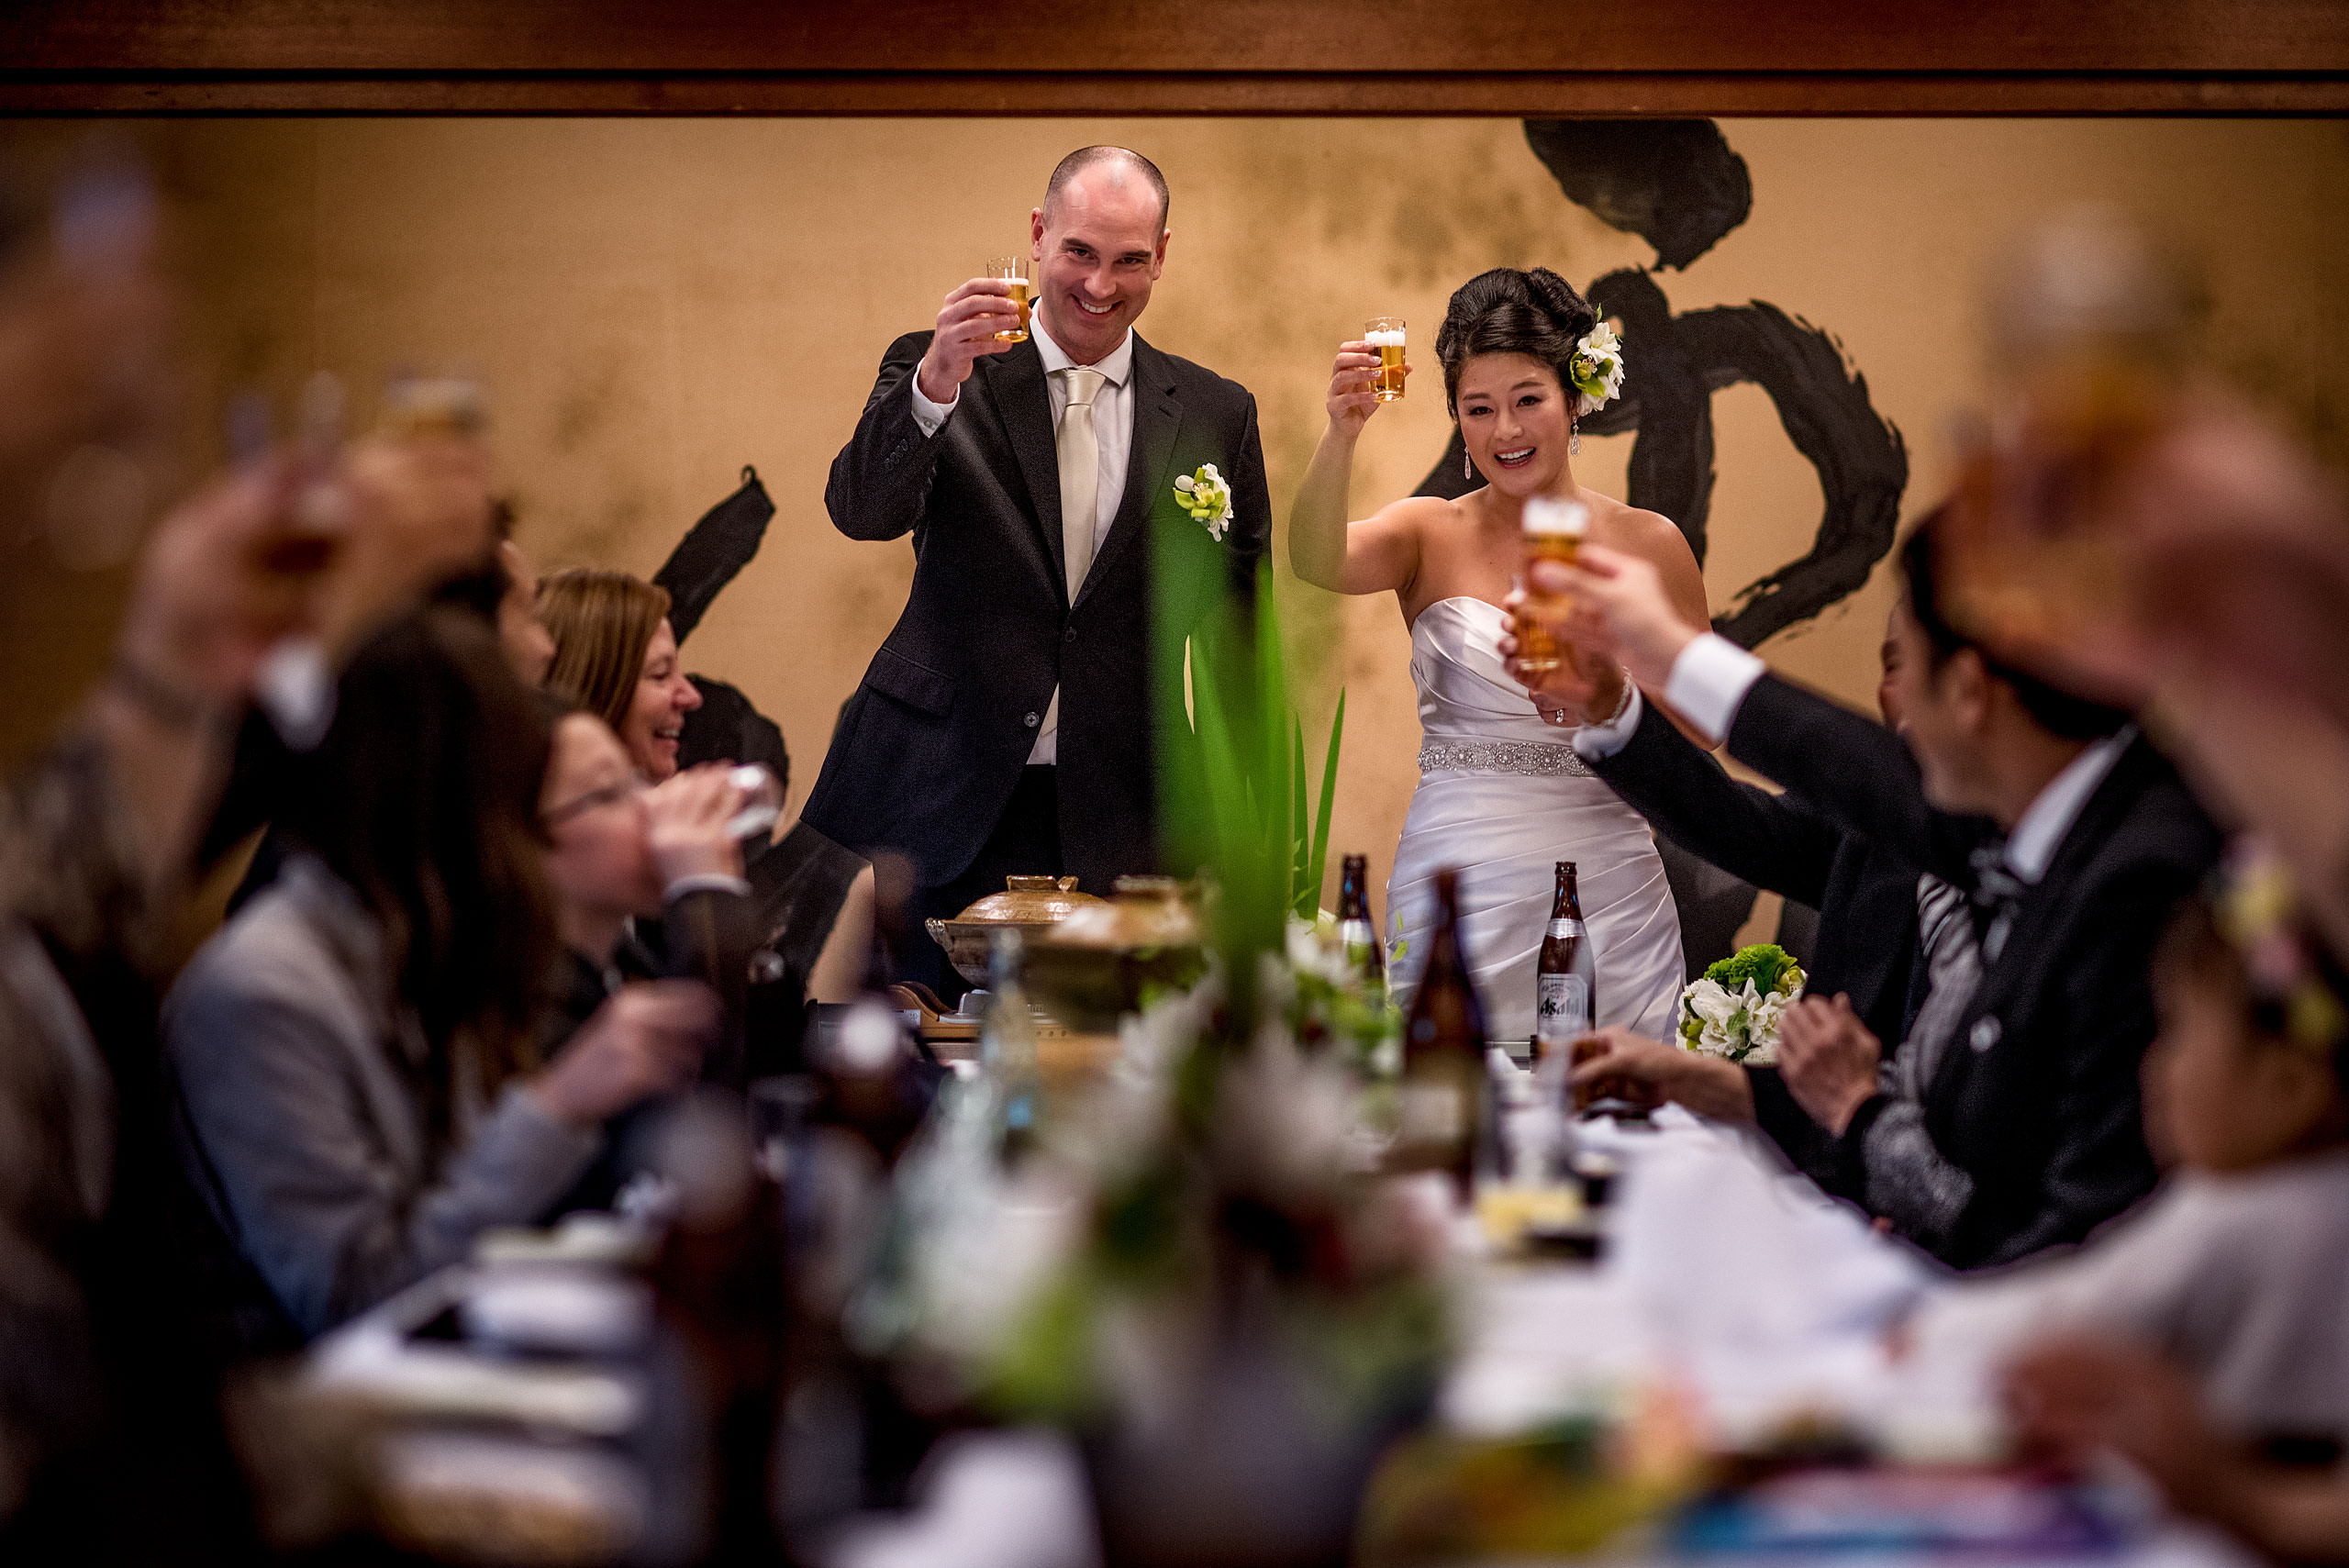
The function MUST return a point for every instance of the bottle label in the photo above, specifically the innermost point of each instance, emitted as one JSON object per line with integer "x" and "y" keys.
{"x": 1565, "y": 1006}
{"x": 1353, "y": 935}
{"x": 1563, "y": 928}
{"x": 1432, "y": 1113}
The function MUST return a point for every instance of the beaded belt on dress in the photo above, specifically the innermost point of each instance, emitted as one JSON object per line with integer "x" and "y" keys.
{"x": 1529, "y": 757}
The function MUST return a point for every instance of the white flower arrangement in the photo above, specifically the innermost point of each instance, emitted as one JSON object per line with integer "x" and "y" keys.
{"x": 1596, "y": 370}
{"x": 1206, "y": 495}
{"x": 1725, "y": 1013}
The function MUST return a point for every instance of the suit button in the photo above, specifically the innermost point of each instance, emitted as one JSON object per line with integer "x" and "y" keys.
{"x": 1032, "y": 720}
{"x": 1069, "y": 635}
{"x": 1985, "y": 1034}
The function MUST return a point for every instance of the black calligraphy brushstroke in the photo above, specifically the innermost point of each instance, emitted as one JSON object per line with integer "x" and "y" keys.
{"x": 1862, "y": 462}
{"x": 713, "y": 550}
{"x": 1675, "y": 183}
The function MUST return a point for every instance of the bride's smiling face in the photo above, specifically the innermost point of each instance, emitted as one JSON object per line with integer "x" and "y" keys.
{"x": 1516, "y": 420}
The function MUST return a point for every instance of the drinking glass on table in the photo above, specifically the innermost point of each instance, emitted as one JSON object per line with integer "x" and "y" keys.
{"x": 1013, "y": 269}
{"x": 1384, "y": 336}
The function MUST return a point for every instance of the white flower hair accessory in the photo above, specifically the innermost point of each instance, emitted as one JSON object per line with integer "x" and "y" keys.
{"x": 1596, "y": 370}
{"x": 1207, "y": 498}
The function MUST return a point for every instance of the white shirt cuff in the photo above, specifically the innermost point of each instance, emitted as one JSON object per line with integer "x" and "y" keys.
{"x": 705, "y": 882}
{"x": 1710, "y": 681}
{"x": 1595, "y": 742}
{"x": 931, "y": 416}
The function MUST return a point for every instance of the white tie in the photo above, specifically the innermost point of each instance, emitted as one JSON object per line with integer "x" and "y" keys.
{"x": 1080, "y": 454}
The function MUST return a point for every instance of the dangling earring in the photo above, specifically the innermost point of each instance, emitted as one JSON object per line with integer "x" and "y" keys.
{"x": 1574, "y": 442}
{"x": 1467, "y": 465}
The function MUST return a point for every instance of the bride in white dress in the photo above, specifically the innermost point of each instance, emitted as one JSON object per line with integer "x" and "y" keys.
{"x": 1501, "y": 796}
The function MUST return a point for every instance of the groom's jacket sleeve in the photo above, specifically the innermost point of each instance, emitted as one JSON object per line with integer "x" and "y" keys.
{"x": 1770, "y": 841}
{"x": 880, "y": 483}
{"x": 1856, "y": 772}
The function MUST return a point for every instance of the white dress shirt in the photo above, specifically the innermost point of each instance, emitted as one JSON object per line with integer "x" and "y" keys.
{"x": 1113, "y": 428}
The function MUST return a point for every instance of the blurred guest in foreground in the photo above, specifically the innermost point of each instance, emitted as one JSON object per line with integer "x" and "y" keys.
{"x": 2205, "y": 1338}
{"x": 617, "y": 658}
{"x": 354, "y": 1051}
{"x": 2025, "y": 1087}
{"x": 109, "y": 1442}
{"x": 2238, "y": 1268}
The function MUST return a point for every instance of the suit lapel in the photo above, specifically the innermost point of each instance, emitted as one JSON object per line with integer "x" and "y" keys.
{"x": 2050, "y": 901}
{"x": 1016, "y": 385}
{"x": 1158, "y": 417}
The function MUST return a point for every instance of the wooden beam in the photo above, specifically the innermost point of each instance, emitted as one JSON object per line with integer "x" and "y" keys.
{"x": 1625, "y": 95}
{"x": 959, "y": 57}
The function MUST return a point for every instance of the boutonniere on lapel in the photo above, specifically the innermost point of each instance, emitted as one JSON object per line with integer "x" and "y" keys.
{"x": 1207, "y": 498}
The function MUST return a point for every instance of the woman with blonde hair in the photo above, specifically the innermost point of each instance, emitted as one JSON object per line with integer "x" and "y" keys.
{"x": 615, "y": 657}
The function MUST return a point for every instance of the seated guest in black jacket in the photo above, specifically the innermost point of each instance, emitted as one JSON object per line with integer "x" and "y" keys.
{"x": 2027, "y": 1091}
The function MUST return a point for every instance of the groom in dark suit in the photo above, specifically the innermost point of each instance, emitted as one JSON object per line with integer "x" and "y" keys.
{"x": 1006, "y": 726}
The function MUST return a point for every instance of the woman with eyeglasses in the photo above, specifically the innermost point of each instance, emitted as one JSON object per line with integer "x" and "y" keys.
{"x": 362, "y": 1090}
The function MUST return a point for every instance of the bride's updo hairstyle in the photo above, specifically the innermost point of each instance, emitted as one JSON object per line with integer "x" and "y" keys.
{"x": 1505, "y": 311}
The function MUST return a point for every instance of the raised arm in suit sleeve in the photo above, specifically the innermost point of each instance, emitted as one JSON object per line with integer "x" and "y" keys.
{"x": 881, "y": 479}
{"x": 1856, "y": 772}
{"x": 1767, "y": 840}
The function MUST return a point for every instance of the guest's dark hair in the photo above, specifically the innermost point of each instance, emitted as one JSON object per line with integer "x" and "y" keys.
{"x": 423, "y": 797}
{"x": 1084, "y": 158}
{"x": 2054, "y": 709}
{"x": 1506, "y": 311}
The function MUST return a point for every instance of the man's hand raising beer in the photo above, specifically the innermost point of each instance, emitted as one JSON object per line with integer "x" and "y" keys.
{"x": 967, "y": 324}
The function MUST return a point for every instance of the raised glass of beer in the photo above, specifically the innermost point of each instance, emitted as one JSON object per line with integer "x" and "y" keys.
{"x": 1013, "y": 269}
{"x": 1384, "y": 336}
{"x": 1553, "y": 531}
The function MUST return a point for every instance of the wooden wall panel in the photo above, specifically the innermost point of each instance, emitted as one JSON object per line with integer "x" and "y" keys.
{"x": 1176, "y": 56}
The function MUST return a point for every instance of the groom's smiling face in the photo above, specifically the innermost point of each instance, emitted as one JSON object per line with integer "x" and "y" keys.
{"x": 1099, "y": 245}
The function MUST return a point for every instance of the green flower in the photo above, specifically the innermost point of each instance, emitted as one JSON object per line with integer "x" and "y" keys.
{"x": 1205, "y": 495}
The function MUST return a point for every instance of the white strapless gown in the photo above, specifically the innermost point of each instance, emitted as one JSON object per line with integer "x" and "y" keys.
{"x": 1503, "y": 797}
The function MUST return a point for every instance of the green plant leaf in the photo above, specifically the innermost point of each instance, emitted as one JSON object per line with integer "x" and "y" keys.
{"x": 1320, "y": 858}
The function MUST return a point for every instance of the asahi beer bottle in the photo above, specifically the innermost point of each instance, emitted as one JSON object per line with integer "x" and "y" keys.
{"x": 1444, "y": 1075}
{"x": 1567, "y": 975}
{"x": 1357, "y": 932}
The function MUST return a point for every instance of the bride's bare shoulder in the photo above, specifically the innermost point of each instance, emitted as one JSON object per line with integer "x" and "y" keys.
{"x": 1634, "y": 529}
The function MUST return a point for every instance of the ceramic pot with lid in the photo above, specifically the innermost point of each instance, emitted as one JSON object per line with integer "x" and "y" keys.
{"x": 1029, "y": 905}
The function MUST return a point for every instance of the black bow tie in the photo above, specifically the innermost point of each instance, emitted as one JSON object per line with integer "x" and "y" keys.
{"x": 1997, "y": 892}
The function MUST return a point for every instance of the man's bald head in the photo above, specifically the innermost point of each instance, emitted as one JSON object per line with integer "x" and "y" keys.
{"x": 1121, "y": 164}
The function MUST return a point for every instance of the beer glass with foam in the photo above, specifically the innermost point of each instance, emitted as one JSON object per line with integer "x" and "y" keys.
{"x": 1384, "y": 336}
{"x": 1553, "y": 531}
{"x": 1013, "y": 271}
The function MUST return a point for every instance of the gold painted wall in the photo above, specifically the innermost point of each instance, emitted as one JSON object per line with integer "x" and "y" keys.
{"x": 654, "y": 304}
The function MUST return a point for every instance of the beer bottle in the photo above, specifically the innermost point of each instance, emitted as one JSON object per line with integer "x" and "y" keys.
{"x": 1443, "y": 1054}
{"x": 1567, "y": 979}
{"x": 1356, "y": 930}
